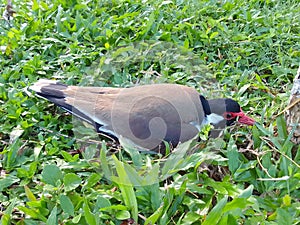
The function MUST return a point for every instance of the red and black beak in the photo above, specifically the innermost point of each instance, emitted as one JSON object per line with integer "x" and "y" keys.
{"x": 244, "y": 119}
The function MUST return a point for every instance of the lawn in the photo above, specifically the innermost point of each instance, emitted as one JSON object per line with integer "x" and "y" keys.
{"x": 56, "y": 170}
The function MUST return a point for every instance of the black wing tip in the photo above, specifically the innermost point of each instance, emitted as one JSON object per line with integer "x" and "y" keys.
{"x": 49, "y": 88}
{"x": 36, "y": 87}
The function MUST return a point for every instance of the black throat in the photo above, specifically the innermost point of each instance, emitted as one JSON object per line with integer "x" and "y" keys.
{"x": 205, "y": 105}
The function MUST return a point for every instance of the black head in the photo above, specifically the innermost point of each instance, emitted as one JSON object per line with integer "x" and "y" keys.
{"x": 231, "y": 107}
{"x": 234, "y": 112}
{"x": 230, "y": 110}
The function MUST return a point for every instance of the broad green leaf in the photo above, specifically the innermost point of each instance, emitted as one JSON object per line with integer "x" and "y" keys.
{"x": 135, "y": 156}
{"x": 283, "y": 217}
{"x": 66, "y": 204}
{"x": 236, "y": 203}
{"x": 114, "y": 207}
{"x": 228, "y": 219}
{"x": 216, "y": 213}
{"x": 51, "y": 174}
{"x": 178, "y": 198}
{"x": 155, "y": 216}
{"x": 52, "y": 219}
{"x": 7, "y": 181}
{"x": 122, "y": 215}
{"x": 11, "y": 156}
{"x": 190, "y": 218}
{"x": 89, "y": 217}
{"x": 90, "y": 152}
{"x": 281, "y": 126}
{"x": 91, "y": 181}
{"x": 126, "y": 188}
{"x": 32, "y": 213}
{"x": 213, "y": 35}
{"x": 155, "y": 195}
{"x": 174, "y": 160}
{"x": 29, "y": 194}
{"x": 247, "y": 192}
{"x": 286, "y": 200}
{"x": 32, "y": 169}
{"x": 263, "y": 130}
{"x": 71, "y": 181}
{"x": 104, "y": 163}
{"x": 5, "y": 219}
{"x": 186, "y": 43}
{"x": 134, "y": 179}
{"x": 149, "y": 23}
{"x": 256, "y": 137}
{"x": 151, "y": 174}
{"x": 102, "y": 202}
{"x": 35, "y": 5}
{"x": 68, "y": 157}
{"x": 233, "y": 156}
{"x": 76, "y": 219}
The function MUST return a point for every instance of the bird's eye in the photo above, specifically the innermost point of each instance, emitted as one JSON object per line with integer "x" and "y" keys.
{"x": 228, "y": 116}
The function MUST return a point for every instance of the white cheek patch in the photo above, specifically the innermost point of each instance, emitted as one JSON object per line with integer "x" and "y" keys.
{"x": 209, "y": 119}
{"x": 214, "y": 118}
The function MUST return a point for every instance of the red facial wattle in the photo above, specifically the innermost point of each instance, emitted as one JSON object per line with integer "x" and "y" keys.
{"x": 242, "y": 118}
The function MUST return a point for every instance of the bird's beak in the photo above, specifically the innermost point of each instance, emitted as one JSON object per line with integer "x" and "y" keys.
{"x": 246, "y": 120}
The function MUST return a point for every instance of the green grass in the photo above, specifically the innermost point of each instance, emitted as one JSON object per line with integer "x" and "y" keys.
{"x": 51, "y": 174}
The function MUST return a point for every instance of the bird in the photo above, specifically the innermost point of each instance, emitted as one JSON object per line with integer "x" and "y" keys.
{"x": 144, "y": 116}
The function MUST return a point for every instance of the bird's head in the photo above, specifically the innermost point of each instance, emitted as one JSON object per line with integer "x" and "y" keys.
{"x": 225, "y": 111}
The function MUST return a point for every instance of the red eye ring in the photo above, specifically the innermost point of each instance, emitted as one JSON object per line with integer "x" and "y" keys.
{"x": 233, "y": 115}
{"x": 228, "y": 116}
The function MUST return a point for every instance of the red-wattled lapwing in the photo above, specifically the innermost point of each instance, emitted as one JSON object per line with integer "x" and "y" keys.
{"x": 144, "y": 116}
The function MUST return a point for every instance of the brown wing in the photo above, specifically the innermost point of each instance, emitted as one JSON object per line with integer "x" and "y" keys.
{"x": 146, "y": 115}
{"x": 149, "y": 114}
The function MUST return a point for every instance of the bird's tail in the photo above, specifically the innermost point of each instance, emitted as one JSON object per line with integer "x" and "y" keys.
{"x": 49, "y": 89}
{"x": 55, "y": 92}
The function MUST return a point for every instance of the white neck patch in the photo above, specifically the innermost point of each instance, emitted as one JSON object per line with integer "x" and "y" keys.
{"x": 214, "y": 118}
